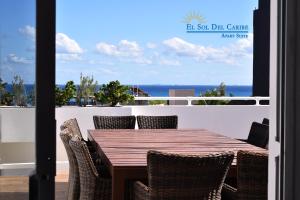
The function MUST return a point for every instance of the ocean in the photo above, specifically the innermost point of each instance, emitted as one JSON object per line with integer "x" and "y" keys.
{"x": 163, "y": 90}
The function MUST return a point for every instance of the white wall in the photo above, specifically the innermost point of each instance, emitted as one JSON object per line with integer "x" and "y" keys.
{"x": 233, "y": 121}
{"x": 17, "y": 124}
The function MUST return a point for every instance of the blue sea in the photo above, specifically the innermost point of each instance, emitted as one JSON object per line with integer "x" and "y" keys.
{"x": 163, "y": 90}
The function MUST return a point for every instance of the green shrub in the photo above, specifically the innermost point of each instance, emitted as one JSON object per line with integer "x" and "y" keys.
{"x": 113, "y": 93}
{"x": 5, "y": 97}
{"x": 220, "y": 91}
{"x": 63, "y": 96}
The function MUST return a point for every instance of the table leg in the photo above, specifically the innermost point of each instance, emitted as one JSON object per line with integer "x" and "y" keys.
{"x": 118, "y": 185}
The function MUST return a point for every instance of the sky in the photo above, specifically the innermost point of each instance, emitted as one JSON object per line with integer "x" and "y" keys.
{"x": 136, "y": 42}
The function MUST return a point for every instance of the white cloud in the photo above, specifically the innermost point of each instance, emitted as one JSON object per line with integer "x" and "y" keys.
{"x": 126, "y": 51}
{"x": 65, "y": 44}
{"x": 229, "y": 55}
{"x": 28, "y": 31}
{"x": 14, "y": 59}
{"x": 243, "y": 47}
{"x": 130, "y": 51}
{"x": 67, "y": 49}
{"x": 107, "y": 49}
{"x": 129, "y": 48}
{"x": 124, "y": 48}
{"x": 183, "y": 48}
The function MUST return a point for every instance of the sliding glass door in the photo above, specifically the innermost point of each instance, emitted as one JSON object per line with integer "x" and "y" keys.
{"x": 17, "y": 87}
{"x": 27, "y": 119}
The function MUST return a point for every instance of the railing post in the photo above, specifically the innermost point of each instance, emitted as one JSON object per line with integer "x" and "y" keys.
{"x": 189, "y": 101}
{"x": 257, "y": 101}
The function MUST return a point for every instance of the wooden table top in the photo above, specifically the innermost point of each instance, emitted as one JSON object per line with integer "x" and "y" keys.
{"x": 128, "y": 148}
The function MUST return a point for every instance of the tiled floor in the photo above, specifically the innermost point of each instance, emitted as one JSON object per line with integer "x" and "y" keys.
{"x": 16, "y": 187}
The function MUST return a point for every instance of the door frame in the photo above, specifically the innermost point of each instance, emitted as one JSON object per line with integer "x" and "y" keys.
{"x": 42, "y": 181}
{"x": 288, "y": 99}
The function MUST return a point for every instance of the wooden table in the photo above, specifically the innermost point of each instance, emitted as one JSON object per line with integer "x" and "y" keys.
{"x": 124, "y": 151}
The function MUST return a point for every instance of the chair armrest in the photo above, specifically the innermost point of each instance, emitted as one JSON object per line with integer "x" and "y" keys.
{"x": 141, "y": 191}
{"x": 228, "y": 192}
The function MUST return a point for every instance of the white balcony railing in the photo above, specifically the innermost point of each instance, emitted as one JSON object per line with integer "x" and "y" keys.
{"x": 190, "y": 99}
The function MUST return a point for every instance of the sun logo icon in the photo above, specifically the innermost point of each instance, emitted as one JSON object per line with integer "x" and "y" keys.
{"x": 194, "y": 16}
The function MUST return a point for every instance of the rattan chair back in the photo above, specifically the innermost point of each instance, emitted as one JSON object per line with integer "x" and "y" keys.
{"x": 92, "y": 186}
{"x": 114, "y": 122}
{"x": 258, "y": 135}
{"x": 252, "y": 176}
{"x": 157, "y": 122}
{"x": 266, "y": 121}
{"x": 179, "y": 177}
{"x": 73, "y": 126}
{"x": 73, "y": 191}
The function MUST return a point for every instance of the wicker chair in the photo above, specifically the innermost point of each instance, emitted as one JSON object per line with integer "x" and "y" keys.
{"x": 114, "y": 122}
{"x": 157, "y": 122}
{"x": 73, "y": 126}
{"x": 252, "y": 178}
{"x": 92, "y": 185}
{"x": 73, "y": 183}
{"x": 266, "y": 121}
{"x": 258, "y": 135}
{"x": 178, "y": 177}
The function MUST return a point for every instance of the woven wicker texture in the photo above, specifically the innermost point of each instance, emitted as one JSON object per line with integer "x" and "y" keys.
{"x": 258, "y": 135}
{"x": 178, "y": 177}
{"x": 92, "y": 185}
{"x": 252, "y": 177}
{"x": 157, "y": 122}
{"x": 114, "y": 122}
{"x": 73, "y": 183}
{"x": 73, "y": 126}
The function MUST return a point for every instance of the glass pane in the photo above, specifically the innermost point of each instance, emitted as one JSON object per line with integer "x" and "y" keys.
{"x": 170, "y": 49}
{"x": 17, "y": 96}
